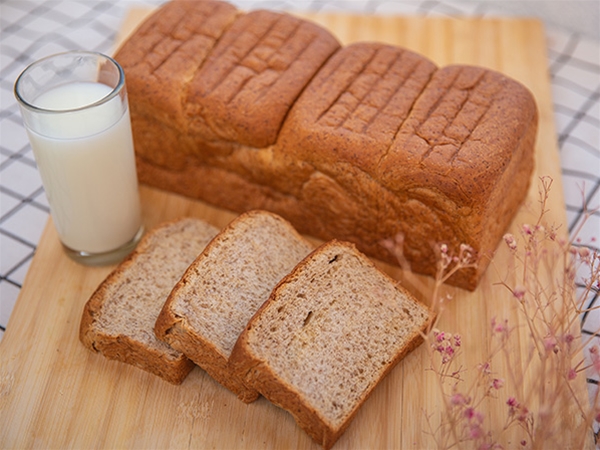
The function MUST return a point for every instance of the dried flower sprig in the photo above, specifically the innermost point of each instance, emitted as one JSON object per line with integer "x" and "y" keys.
{"x": 539, "y": 392}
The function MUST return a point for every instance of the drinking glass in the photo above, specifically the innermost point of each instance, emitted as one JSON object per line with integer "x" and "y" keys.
{"x": 75, "y": 111}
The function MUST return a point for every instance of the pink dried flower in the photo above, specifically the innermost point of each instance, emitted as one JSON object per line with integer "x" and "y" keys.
{"x": 572, "y": 374}
{"x": 474, "y": 415}
{"x": 527, "y": 229}
{"x": 519, "y": 292}
{"x": 595, "y": 356}
{"x": 475, "y": 432}
{"x": 499, "y": 327}
{"x": 510, "y": 240}
{"x": 457, "y": 340}
{"x": 459, "y": 399}
{"x": 569, "y": 338}
{"x": 497, "y": 383}
{"x": 584, "y": 252}
{"x": 485, "y": 368}
{"x": 445, "y": 344}
{"x": 550, "y": 344}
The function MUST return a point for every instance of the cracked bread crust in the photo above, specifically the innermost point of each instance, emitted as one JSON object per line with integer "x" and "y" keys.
{"x": 168, "y": 50}
{"x": 380, "y": 144}
{"x": 261, "y": 63}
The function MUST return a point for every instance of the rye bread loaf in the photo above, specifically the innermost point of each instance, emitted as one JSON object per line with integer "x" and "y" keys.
{"x": 362, "y": 143}
{"x": 223, "y": 288}
{"x": 329, "y": 333}
{"x": 118, "y": 319}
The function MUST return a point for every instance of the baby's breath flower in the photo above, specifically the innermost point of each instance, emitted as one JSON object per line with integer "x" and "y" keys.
{"x": 499, "y": 328}
{"x": 457, "y": 340}
{"x": 497, "y": 383}
{"x": 519, "y": 292}
{"x": 569, "y": 338}
{"x": 484, "y": 368}
{"x": 511, "y": 401}
{"x": 550, "y": 344}
{"x": 510, "y": 241}
{"x": 584, "y": 252}
{"x": 459, "y": 399}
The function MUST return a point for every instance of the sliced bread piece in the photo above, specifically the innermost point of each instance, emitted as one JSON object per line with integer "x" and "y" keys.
{"x": 329, "y": 333}
{"x": 224, "y": 287}
{"x": 118, "y": 319}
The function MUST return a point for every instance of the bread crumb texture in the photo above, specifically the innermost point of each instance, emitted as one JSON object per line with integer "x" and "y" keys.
{"x": 235, "y": 275}
{"x": 332, "y": 330}
{"x": 132, "y": 297}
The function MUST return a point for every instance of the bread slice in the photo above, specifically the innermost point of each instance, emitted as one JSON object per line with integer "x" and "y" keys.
{"x": 329, "y": 333}
{"x": 224, "y": 287}
{"x": 119, "y": 317}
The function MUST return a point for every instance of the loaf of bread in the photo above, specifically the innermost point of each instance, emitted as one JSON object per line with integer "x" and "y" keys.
{"x": 118, "y": 319}
{"x": 223, "y": 288}
{"x": 364, "y": 143}
{"x": 329, "y": 333}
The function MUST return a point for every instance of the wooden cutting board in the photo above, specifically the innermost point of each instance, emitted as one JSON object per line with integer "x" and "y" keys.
{"x": 54, "y": 393}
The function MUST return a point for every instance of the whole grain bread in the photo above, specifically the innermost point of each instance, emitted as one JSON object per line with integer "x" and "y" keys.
{"x": 329, "y": 333}
{"x": 222, "y": 289}
{"x": 365, "y": 143}
{"x": 118, "y": 319}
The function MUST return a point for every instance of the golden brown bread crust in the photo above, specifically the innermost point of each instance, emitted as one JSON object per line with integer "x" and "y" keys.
{"x": 261, "y": 63}
{"x": 174, "y": 370}
{"x": 379, "y": 143}
{"x": 170, "y": 47}
{"x": 174, "y": 331}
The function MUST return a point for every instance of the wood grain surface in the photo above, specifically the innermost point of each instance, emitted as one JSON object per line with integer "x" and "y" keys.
{"x": 54, "y": 393}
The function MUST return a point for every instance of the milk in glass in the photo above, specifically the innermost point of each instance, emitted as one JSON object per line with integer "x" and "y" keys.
{"x": 87, "y": 164}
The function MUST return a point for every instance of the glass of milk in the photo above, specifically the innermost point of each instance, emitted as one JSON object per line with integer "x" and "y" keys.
{"x": 74, "y": 108}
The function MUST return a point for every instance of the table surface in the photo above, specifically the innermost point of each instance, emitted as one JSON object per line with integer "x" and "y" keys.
{"x": 30, "y": 30}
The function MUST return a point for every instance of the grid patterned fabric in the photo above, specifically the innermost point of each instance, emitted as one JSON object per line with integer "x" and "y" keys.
{"x": 31, "y": 29}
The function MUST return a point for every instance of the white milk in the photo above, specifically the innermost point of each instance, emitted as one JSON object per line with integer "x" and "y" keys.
{"x": 87, "y": 165}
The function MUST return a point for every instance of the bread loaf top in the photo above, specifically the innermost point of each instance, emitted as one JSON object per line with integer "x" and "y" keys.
{"x": 394, "y": 115}
{"x": 364, "y": 143}
{"x": 253, "y": 76}
{"x": 168, "y": 50}
{"x": 215, "y": 71}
